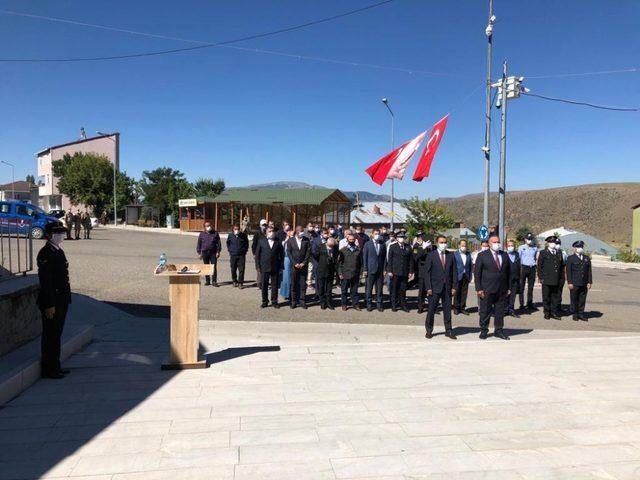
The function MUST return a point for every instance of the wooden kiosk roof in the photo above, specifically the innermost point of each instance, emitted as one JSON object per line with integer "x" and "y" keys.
{"x": 290, "y": 196}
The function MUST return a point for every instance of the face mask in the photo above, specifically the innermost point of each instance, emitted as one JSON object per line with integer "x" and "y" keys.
{"x": 552, "y": 246}
{"x": 209, "y": 229}
{"x": 57, "y": 238}
{"x": 495, "y": 247}
{"x": 528, "y": 242}
{"x": 270, "y": 235}
{"x": 236, "y": 232}
{"x": 287, "y": 228}
{"x": 579, "y": 250}
{"x": 484, "y": 249}
{"x": 325, "y": 236}
{"x": 463, "y": 249}
{"x": 331, "y": 232}
{"x": 383, "y": 232}
{"x": 442, "y": 247}
{"x": 401, "y": 240}
{"x": 316, "y": 229}
{"x": 376, "y": 237}
{"x": 299, "y": 234}
{"x": 510, "y": 249}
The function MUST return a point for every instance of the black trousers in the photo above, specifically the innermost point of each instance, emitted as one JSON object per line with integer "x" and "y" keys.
{"x": 77, "y": 232}
{"x": 269, "y": 279}
{"x": 492, "y": 302}
{"x": 551, "y": 299}
{"x": 86, "y": 232}
{"x": 527, "y": 274}
{"x": 210, "y": 258}
{"x": 422, "y": 292}
{"x": 398, "y": 291}
{"x": 578, "y": 299}
{"x": 515, "y": 289}
{"x": 50, "y": 341}
{"x": 349, "y": 286}
{"x": 434, "y": 300}
{"x": 237, "y": 268}
{"x": 299, "y": 285}
{"x": 324, "y": 286}
{"x": 374, "y": 279}
{"x": 462, "y": 291}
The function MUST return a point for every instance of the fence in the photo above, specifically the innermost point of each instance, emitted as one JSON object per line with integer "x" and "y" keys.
{"x": 16, "y": 248}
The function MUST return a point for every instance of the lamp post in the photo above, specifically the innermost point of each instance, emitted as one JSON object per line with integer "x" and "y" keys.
{"x": 115, "y": 165}
{"x": 487, "y": 129}
{"x": 13, "y": 177}
{"x": 393, "y": 117}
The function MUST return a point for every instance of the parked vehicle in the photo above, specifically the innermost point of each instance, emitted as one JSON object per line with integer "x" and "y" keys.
{"x": 18, "y": 217}
{"x": 56, "y": 213}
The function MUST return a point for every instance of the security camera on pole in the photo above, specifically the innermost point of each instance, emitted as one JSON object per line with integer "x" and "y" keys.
{"x": 508, "y": 89}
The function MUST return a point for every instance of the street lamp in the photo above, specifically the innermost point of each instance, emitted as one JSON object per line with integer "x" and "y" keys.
{"x": 13, "y": 178}
{"x": 115, "y": 163}
{"x": 393, "y": 117}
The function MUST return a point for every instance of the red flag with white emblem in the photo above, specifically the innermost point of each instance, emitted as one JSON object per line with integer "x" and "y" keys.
{"x": 394, "y": 164}
{"x": 429, "y": 152}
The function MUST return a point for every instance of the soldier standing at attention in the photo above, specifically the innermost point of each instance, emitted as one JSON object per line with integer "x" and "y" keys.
{"x": 528, "y": 257}
{"x": 53, "y": 299}
{"x": 579, "y": 279}
{"x": 68, "y": 223}
{"x": 76, "y": 225}
{"x": 551, "y": 274}
{"x": 562, "y": 281}
{"x": 86, "y": 225}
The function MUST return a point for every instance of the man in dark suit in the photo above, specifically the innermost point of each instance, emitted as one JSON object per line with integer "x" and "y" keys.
{"x": 349, "y": 267}
{"x": 326, "y": 260}
{"x": 464, "y": 269}
{"x": 420, "y": 250}
{"x": 492, "y": 275}
{"x": 237, "y": 246}
{"x": 514, "y": 281}
{"x": 440, "y": 279}
{"x": 373, "y": 263}
{"x": 261, "y": 233}
{"x": 579, "y": 279}
{"x": 54, "y": 298}
{"x": 399, "y": 269}
{"x": 299, "y": 252}
{"x": 551, "y": 276}
{"x": 270, "y": 261}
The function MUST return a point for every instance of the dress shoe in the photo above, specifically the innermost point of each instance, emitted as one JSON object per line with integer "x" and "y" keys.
{"x": 514, "y": 314}
{"x": 264, "y": 305}
{"x": 450, "y": 335}
{"x": 583, "y": 318}
{"x": 394, "y": 309}
{"x": 405, "y": 309}
{"x": 420, "y": 310}
{"x": 215, "y": 284}
{"x": 464, "y": 312}
{"x": 54, "y": 376}
{"x": 206, "y": 284}
{"x": 235, "y": 284}
{"x": 575, "y": 317}
{"x": 357, "y": 307}
{"x": 240, "y": 286}
{"x": 323, "y": 307}
{"x": 483, "y": 335}
{"x": 456, "y": 312}
{"x": 532, "y": 307}
{"x": 303, "y": 306}
{"x": 547, "y": 316}
{"x": 500, "y": 334}
{"x": 344, "y": 308}
{"x": 555, "y": 316}
{"x": 380, "y": 309}
{"x": 428, "y": 334}
{"x": 293, "y": 305}
{"x": 330, "y": 307}
{"x": 369, "y": 308}
{"x": 275, "y": 305}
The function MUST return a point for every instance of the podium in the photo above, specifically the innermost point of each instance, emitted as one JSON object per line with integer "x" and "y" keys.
{"x": 184, "y": 297}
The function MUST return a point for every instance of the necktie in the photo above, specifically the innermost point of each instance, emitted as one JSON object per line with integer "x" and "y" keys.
{"x": 442, "y": 259}
{"x": 495, "y": 256}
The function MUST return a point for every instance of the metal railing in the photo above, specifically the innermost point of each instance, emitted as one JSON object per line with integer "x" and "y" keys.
{"x": 16, "y": 248}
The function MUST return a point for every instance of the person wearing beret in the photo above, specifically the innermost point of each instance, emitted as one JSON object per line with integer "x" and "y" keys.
{"x": 579, "y": 279}
{"x": 551, "y": 275}
{"x": 54, "y": 298}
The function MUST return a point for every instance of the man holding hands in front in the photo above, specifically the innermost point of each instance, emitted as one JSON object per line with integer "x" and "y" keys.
{"x": 440, "y": 279}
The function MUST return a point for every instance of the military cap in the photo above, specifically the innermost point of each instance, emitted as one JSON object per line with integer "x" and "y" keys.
{"x": 401, "y": 234}
{"x": 528, "y": 236}
{"x": 551, "y": 239}
{"x": 578, "y": 244}
{"x": 51, "y": 228}
{"x": 263, "y": 222}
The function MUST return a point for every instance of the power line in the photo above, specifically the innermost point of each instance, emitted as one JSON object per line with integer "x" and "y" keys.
{"x": 585, "y": 74}
{"x": 586, "y": 104}
{"x": 196, "y": 47}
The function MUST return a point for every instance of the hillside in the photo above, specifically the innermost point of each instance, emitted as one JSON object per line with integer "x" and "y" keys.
{"x": 602, "y": 210}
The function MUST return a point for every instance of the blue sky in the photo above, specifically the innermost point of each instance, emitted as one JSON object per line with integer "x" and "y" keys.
{"x": 252, "y": 117}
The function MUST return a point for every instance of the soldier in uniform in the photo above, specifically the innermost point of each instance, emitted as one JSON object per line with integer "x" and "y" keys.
{"x": 562, "y": 281}
{"x": 419, "y": 252}
{"x": 68, "y": 223}
{"x": 53, "y": 299}
{"x": 399, "y": 269}
{"x": 578, "y": 270}
{"x": 551, "y": 275}
{"x": 76, "y": 225}
{"x": 86, "y": 225}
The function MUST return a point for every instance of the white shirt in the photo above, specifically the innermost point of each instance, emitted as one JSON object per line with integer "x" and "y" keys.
{"x": 271, "y": 242}
{"x": 463, "y": 256}
{"x": 299, "y": 242}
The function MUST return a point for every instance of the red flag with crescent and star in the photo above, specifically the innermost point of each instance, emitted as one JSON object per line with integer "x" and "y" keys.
{"x": 429, "y": 152}
{"x": 394, "y": 164}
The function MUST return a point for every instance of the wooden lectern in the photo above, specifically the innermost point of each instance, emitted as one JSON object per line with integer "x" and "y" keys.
{"x": 184, "y": 296}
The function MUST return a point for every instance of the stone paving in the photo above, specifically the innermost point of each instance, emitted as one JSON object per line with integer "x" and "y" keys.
{"x": 331, "y": 401}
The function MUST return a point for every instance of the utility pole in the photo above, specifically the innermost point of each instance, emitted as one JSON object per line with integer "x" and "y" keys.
{"x": 503, "y": 153}
{"x": 487, "y": 129}
{"x": 386, "y": 104}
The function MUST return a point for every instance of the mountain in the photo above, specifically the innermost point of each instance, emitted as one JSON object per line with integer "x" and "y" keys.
{"x": 602, "y": 210}
{"x": 284, "y": 185}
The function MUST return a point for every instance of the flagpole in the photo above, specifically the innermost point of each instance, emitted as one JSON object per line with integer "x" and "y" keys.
{"x": 386, "y": 104}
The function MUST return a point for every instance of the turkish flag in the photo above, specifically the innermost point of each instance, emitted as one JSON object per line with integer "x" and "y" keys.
{"x": 394, "y": 164}
{"x": 429, "y": 152}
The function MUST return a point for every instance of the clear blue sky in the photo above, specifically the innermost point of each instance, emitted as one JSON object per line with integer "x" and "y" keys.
{"x": 252, "y": 117}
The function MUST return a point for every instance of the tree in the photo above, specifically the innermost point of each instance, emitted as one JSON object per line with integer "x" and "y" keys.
{"x": 207, "y": 187}
{"x": 428, "y": 216}
{"x": 522, "y": 231}
{"x": 31, "y": 179}
{"x": 162, "y": 188}
{"x": 87, "y": 178}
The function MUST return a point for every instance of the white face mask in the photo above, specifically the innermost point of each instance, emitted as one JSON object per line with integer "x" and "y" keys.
{"x": 209, "y": 229}
{"x": 442, "y": 247}
{"x": 236, "y": 231}
{"x": 495, "y": 247}
{"x": 511, "y": 249}
{"x": 552, "y": 246}
{"x": 463, "y": 249}
{"x": 527, "y": 241}
{"x": 484, "y": 249}
{"x": 579, "y": 250}
{"x": 57, "y": 238}
{"x": 376, "y": 237}
{"x": 400, "y": 240}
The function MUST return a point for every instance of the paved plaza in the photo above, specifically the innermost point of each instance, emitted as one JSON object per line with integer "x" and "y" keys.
{"x": 316, "y": 399}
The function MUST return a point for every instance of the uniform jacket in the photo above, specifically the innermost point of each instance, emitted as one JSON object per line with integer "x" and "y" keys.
{"x": 372, "y": 262}
{"x": 579, "y": 271}
{"x": 550, "y": 267}
{"x": 463, "y": 269}
{"x": 238, "y": 244}
{"x": 419, "y": 255}
{"x": 53, "y": 272}
{"x": 327, "y": 261}
{"x": 399, "y": 260}
{"x": 515, "y": 267}
{"x": 209, "y": 242}
{"x": 349, "y": 263}
{"x": 488, "y": 277}
{"x": 299, "y": 255}
{"x": 437, "y": 277}
{"x": 269, "y": 259}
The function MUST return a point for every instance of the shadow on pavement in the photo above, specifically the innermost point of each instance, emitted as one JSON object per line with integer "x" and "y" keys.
{"x": 236, "y": 352}
{"x": 512, "y": 332}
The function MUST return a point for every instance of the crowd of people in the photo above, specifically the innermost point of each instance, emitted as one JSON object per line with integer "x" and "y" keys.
{"x": 76, "y": 222}
{"x": 292, "y": 261}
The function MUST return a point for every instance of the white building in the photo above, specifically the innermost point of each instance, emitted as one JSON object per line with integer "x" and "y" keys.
{"x": 50, "y": 198}
{"x": 567, "y": 237}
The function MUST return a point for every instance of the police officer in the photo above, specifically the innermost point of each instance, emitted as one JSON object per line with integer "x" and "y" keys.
{"x": 54, "y": 298}
{"x": 399, "y": 269}
{"x": 528, "y": 258}
{"x": 551, "y": 275}
{"x": 579, "y": 279}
